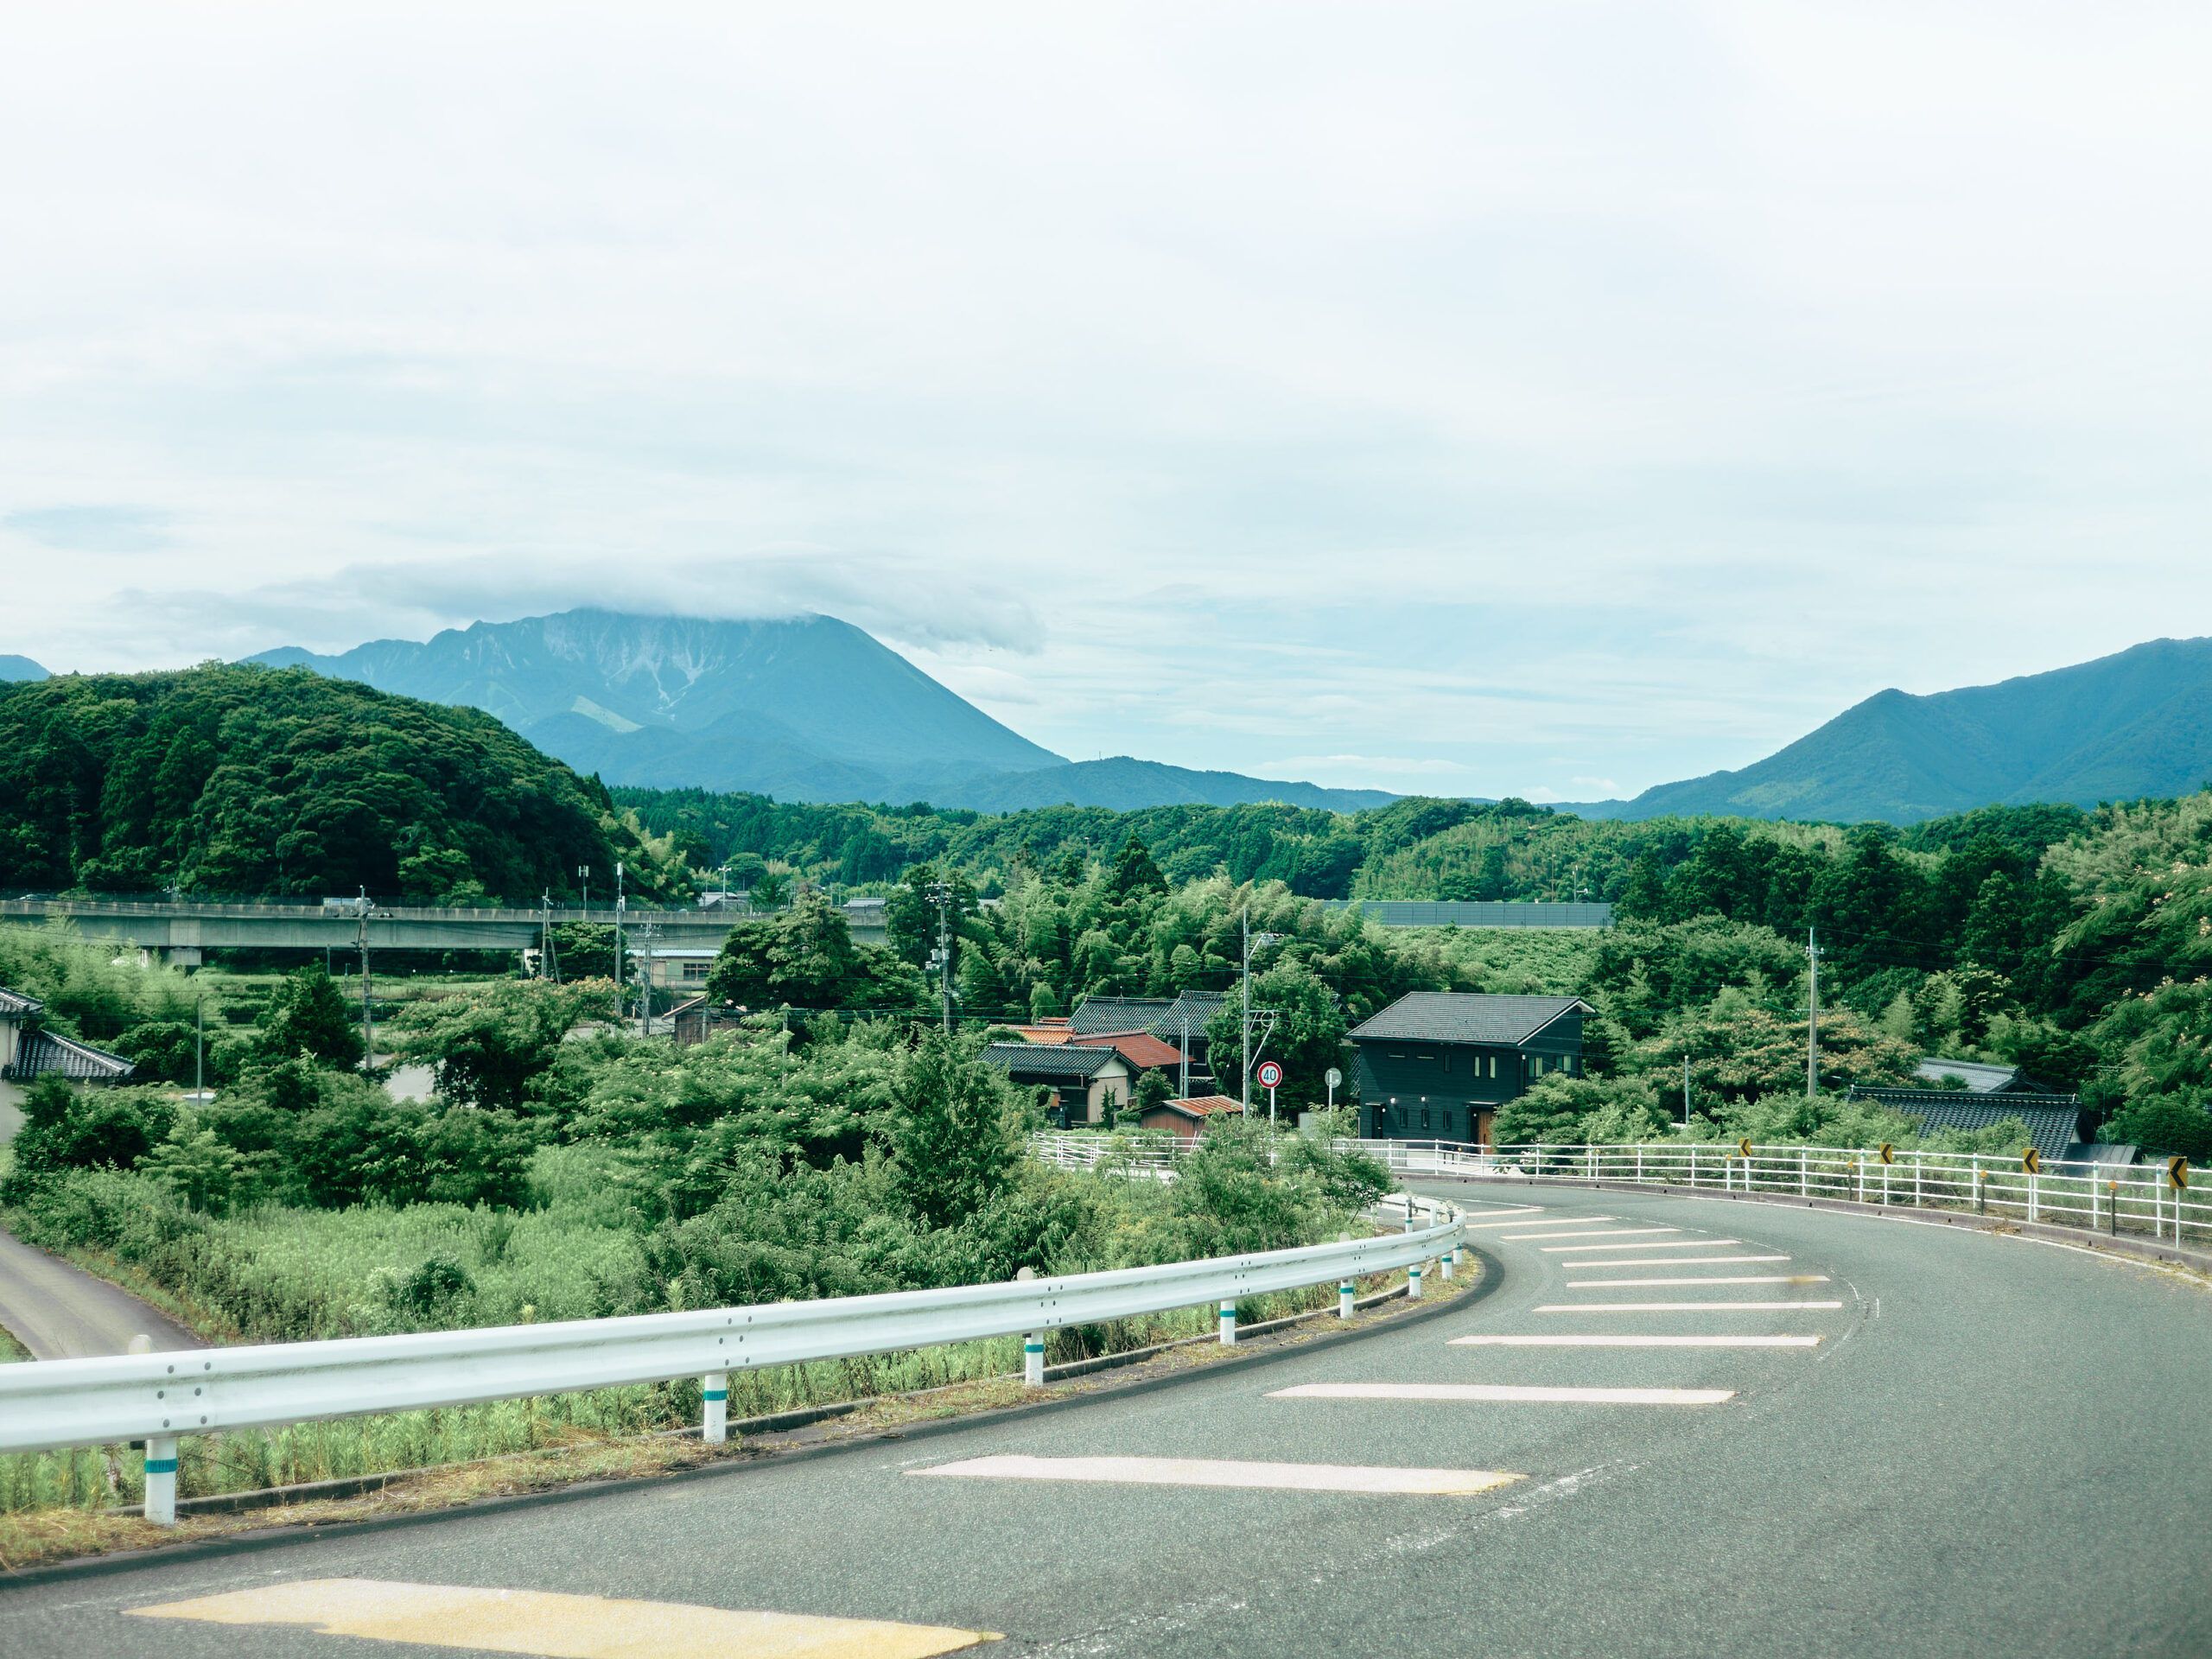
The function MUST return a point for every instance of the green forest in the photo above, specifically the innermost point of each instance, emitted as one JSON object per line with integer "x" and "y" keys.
{"x": 237, "y": 780}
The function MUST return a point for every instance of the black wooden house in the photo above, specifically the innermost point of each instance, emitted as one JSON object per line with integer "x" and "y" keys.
{"x": 1435, "y": 1066}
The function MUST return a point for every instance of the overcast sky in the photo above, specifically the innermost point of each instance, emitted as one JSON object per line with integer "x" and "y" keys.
{"x": 1550, "y": 399}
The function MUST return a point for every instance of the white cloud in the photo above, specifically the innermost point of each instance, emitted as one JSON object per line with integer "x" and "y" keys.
{"x": 1586, "y": 394}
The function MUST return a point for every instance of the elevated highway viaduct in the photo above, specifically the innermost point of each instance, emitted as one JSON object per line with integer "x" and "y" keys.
{"x": 181, "y": 931}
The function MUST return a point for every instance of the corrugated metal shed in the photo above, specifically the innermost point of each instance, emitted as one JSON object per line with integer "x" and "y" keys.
{"x": 1981, "y": 1078}
{"x": 1466, "y": 1017}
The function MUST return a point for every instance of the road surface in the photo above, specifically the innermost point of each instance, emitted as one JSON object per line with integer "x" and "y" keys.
{"x": 59, "y": 1311}
{"x": 1971, "y": 1444}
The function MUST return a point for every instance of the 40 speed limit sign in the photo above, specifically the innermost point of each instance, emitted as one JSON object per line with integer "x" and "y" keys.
{"x": 1269, "y": 1074}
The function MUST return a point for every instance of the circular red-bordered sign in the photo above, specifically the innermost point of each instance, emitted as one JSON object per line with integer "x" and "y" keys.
{"x": 1269, "y": 1074}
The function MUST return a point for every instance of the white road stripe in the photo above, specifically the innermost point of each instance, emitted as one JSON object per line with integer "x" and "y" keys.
{"x": 1211, "y": 1471}
{"x": 1499, "y": 1393}
{"x": 1766, "y": 1278}
{"x": 1672, "y": 1308}
{"x": 1599, "y": 1232}
{"x": 1633, "y": 1342}
{"x": 1665, "y": 1244}
{"x": 1667, "y": 1260}
{"x": 1537, "y": 1221}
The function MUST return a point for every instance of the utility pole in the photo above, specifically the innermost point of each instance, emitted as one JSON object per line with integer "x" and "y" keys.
{"x": 1183, "y": 1071}
{"x": 645, "y": 931}
{"x": 1244, "y": 1025}
{"x": 200, "y": 1048}
{"x": 1812, "y": 1017}
{"x": 368, "y": 1043}
{"x": 621, "y": 975}
{"x": 942, "y": 892}
{"x": 1686, "y": 1091}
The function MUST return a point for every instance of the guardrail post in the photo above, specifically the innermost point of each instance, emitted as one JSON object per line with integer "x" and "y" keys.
{"x": 714, "y": 1394}
{"x": 160, "y": 1479}
{"x": 1228, "y": 1325}
{"x": 1412, "y": 1282}
{"x": 1917, "y": 1159}
{"x": 1033, "y": 1360}
{"x": 2111, "y": 1210}
{"x": 1450, "y": 1260}
{"x": 1804, "y": 1174}
{"x": 1344, "y": 1295}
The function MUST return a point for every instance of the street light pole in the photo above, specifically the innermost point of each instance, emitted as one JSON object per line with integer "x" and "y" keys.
{"x": 1812, "y": 1017}
{"x": 368, "y": 1041}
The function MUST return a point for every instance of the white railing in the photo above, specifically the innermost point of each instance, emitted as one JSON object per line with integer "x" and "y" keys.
{"x": 156, "y": 1397}
{"x": 2106, "y": 1198}
{"x": 1144, "y": 1153}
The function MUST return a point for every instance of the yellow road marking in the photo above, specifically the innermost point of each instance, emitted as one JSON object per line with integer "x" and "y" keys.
{"x": 556, "y": 1626}
{"x": 1211, "y": 1472}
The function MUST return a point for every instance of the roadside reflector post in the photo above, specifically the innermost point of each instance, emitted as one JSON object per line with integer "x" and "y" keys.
{"x": 160, "y": 1479}
{"x": 1033, "y": 1360}
{"x": 714, "y": 1396}
{"x": 1981, "y": 1190}
{"x": 1228, "y": 1325}
{"x": 2111, "y": 1209}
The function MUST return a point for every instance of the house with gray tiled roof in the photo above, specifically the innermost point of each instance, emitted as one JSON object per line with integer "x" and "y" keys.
{"x": 29, "y": 1053}
{"x": 1080, "y": 1079}
{"x": 1436, "y": 1065}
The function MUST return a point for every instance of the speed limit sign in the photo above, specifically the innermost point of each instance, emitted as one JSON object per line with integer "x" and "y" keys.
{"x": 1269, "y": 1074}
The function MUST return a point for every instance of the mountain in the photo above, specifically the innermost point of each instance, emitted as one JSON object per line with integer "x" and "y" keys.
{"x": 21, "y": 668}
{"x": 2136, "y": 723}
{"x": 808, "y": 709}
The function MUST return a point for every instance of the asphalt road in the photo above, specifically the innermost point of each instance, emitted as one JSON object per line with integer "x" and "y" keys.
{"x": 59, "y": 1311}
{"x": 1995, "y": 1446}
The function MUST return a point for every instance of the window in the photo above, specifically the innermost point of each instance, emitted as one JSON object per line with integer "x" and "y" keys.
{"x": 1493, "y": 1065}
{"x": 697, "y": 969}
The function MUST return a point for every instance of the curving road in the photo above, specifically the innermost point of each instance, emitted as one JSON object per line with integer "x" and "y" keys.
{"x": 61, "y": 1312}
{"x": 1991, "y": 1445}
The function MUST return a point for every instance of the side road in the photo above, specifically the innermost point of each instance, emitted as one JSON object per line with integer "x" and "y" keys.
{"x": 58, "y": 1311}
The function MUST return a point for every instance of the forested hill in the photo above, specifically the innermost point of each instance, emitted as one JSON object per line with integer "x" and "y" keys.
{"x": 2121, "y": 727}
{"x": 255, "y": 781}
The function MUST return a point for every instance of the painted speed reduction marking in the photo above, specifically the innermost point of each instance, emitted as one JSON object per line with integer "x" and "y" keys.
{"x": 1270, "y": 1074}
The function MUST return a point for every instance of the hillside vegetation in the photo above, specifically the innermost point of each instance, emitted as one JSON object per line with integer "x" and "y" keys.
{"x": 254, "y": 781}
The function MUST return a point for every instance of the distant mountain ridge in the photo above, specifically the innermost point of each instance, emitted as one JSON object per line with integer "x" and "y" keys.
{"x": 21, "y": 668}
{"x": 2136, "y": 723}
{"x": 804, "y": 709}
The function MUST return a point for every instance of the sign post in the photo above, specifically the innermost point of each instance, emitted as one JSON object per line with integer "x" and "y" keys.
{"x": 1270, "y": 1074}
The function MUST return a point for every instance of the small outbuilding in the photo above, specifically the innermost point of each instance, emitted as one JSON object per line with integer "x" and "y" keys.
{"x": 1189, "y": 1117}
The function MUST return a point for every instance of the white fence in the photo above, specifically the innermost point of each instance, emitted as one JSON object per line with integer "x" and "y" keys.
{"x": 50, "y": 1405}
{"x": 2140, "y": 1199}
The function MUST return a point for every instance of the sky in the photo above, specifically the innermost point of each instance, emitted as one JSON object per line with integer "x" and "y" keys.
{"x": 1552, "y": 399}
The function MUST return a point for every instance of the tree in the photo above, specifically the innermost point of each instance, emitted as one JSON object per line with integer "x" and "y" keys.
{"x": 806, "y": 958}
{"x": 1308, "y": 1037}
{"x": 487, "y": 1044}
{"x": 1133, "y": 870}
{"x": 955, "y": 1131}
{"x": 308, "y": 1016}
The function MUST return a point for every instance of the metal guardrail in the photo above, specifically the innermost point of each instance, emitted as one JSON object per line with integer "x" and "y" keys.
{"x": 2106, "y": 1198}
{"x": 55, "y": 1404}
